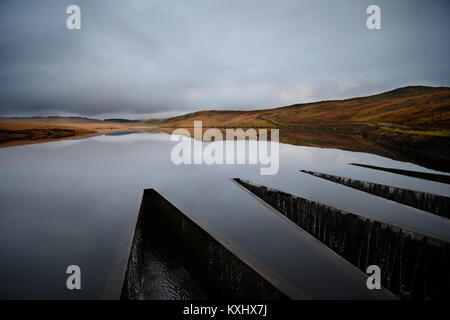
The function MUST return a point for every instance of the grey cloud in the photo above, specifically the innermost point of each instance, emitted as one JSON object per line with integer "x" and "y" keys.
{"x": 141, "y": 57}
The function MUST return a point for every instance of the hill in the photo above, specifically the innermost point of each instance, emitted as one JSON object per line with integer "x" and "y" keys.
{"x": 408, "y": 124}
{"x": 119, "y": 120}
{"x": 19, "y": 131}
{"x": 415, "y": 107}
{"x": 51, "y": 120}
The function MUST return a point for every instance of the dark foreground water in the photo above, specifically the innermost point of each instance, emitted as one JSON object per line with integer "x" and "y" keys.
{"x": 71, "y": 202}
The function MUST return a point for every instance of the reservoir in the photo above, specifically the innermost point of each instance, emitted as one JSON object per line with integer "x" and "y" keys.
{"x": 76, "y": 201}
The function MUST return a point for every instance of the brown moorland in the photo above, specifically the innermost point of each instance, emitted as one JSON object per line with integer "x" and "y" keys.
{"x": 418, "y": 107}
{"x": 408, "y": 124}
{"x": 21, "y": 131}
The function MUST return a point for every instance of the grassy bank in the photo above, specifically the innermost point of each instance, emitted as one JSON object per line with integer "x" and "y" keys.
{"x": 408, "y": 124}
{"x": 21, "y": 131}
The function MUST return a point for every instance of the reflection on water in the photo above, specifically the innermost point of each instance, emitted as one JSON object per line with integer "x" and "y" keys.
{"x": 67, "y": 202}
{"x": 166, "y": 278}
{"x": 121, "y": 133}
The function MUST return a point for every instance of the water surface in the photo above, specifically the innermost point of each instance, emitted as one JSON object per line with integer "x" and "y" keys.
{"x": 68, "y": 202}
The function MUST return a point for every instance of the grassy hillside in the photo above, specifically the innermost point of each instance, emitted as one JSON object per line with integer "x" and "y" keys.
{"x": 20, "y": 131}
{"x": 408, "y": 124}
{"x": 414, "y": 108}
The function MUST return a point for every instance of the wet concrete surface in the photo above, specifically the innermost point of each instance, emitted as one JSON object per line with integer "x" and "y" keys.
{"x": 413, "y": 266}
{"x": 437, "y": 204}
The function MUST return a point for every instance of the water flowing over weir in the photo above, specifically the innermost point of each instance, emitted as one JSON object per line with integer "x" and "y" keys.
{"x": 412, "y": 265}
{"x": 439, "y": 205}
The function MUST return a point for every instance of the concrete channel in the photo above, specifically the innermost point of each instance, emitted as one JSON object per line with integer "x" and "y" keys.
{"x": 439, "y": 205}
{"x": 413, "y": 265}
{"x": 198, "y": 262}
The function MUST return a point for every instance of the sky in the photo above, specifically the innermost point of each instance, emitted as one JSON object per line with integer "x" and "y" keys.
{"x": 151, "y": 58}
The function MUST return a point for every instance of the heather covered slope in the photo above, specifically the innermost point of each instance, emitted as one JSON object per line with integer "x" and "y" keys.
{"x": 416, "y": 107}
{"x": 409, "y": 124}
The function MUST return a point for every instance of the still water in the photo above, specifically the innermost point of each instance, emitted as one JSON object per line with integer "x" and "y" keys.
{"x": 69, "y": 202}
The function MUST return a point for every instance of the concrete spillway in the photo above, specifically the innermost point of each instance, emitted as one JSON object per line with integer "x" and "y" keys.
{"x": 204, "y": 263}
{"x": 439, "y": 205}
{"x": 172, "y": 257}
{"x": 412, "y": 265}
{"x": 443, "y": 178}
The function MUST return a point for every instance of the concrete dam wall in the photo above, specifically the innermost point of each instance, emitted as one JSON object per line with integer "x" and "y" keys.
{"x": 443, "y": 178}
{"x": 173, "y": 257}
{"x": 413, "y": 266}
{"x": 439, "y": 205}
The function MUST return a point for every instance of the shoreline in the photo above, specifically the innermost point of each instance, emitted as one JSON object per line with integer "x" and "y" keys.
{"x": 426, "y": 150}
{"x": 24, "y": 133}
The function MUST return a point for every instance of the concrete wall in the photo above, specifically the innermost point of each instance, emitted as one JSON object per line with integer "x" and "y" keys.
{"x": 412, "y": 265}
{"x": 217, "y": 265}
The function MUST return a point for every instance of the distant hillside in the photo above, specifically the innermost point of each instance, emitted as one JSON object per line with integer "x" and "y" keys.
{"x": 409, "y": 124}
{"x": 154, "y": 121}
{"x": 117, "y": 120}
{"x": 415, "y": 107}
{"x": 51, "y": 120}
{"x": 20, "y": 131}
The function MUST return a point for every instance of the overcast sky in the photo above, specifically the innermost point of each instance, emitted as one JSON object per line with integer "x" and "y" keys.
{"x": 135, "y": 58}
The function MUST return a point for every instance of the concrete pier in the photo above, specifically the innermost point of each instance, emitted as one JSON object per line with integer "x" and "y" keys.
{"x": 281, "y": 262}
{"x": 211, "y": 266}
{"x": 439, "y": 205}
{"x": 413, "y": 265}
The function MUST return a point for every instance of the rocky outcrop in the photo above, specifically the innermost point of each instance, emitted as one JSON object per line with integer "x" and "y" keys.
{"x": 439, "y": 205}
{"x": 412, "y": 265}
